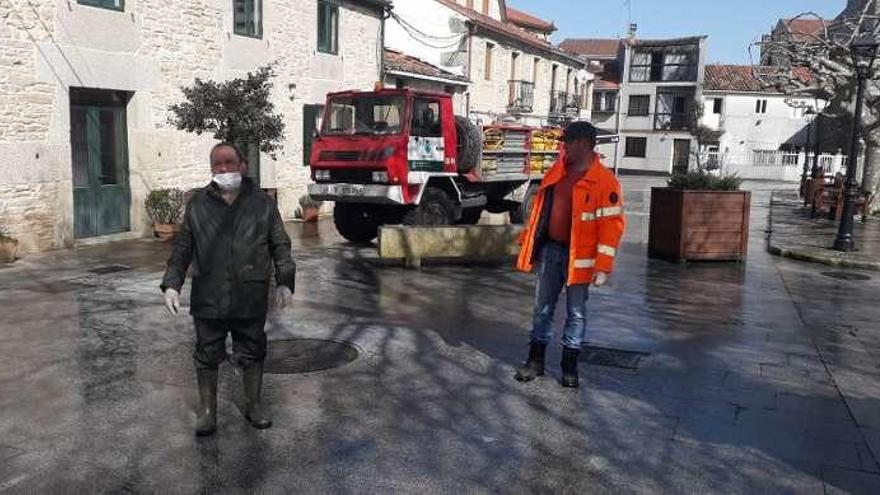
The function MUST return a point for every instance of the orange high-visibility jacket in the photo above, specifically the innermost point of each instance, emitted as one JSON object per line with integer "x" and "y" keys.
{"x": 597, "y": 223}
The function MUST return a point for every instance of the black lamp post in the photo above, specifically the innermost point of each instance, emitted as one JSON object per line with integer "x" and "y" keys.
{"x": 811, "y": 115}
{"x": 864, "y": 52}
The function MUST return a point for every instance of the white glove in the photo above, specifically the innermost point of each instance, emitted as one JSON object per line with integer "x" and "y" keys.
{"x": 283, "y": 297}
{"x": 172, "y": 301}
{"x": 600, "y": 279}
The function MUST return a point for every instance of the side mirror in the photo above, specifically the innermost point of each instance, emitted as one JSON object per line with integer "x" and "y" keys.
{"x": 315, "y": 134}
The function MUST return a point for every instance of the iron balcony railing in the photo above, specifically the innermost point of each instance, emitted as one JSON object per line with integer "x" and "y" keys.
{"x": 522, "y": 96}
{"x": 673, "y": 121}
{"x": 562, "y": 103}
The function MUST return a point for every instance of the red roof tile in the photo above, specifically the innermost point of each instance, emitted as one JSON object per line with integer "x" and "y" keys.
{"x": 742, "y": 78}
{"x": 508, "y": 30}
{"x": 592, "y": 48}
{"x": 400, "y": 62}
{"x": 528, "y": 21}
{"x": 805, "y": 27}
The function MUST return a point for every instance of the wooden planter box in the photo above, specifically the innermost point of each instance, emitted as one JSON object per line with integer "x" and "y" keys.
{"x": 699, "y": 225}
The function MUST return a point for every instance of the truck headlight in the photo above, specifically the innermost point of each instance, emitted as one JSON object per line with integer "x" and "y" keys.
{"x": 380, "y": 177}
{"x": 322, "y": 175}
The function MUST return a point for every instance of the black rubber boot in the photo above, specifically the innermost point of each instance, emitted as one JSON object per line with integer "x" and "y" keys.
{"x": 569, "y": 367}
{"x": 206, "y": 422}
{"x": 252, "y": 378}
{"x": 534, "y": 366}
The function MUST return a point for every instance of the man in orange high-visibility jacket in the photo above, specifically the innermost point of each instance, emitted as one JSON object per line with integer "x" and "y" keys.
{"x": 573, "y": 232}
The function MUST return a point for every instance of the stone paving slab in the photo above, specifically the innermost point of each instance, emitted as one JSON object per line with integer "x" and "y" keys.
{"x": 792, "y": 233}
{"x": 754, "y": 384}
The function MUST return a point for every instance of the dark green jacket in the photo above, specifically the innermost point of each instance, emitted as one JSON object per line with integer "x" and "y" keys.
{"x": 231, "y": 249}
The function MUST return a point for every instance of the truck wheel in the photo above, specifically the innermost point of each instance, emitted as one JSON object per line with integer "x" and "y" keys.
{"x": 356, "y": 222}
{"x": 469, "y": 144}
{"x": 470, "y": 216}
{"x": 520, "y": 213}
{"x": 436, "y": 208}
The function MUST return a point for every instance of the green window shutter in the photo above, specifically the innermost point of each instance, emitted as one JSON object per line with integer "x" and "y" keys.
{"x": 311, "y": 115}
{"x": 328, "y": 27}
{"x": 247, "y": 18}
{"x": 104, "y": 4}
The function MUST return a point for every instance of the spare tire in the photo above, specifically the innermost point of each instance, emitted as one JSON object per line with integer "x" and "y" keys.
{"x": 469, "y": 144}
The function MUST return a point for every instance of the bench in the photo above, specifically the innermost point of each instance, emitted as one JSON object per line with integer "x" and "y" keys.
{"x": 825, "y": 196}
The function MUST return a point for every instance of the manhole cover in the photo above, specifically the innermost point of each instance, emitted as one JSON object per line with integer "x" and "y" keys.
{"x": 847, "y": 276}
{"x": 286, "y": 357}
{"x": 104, "y": 270}
{"x": 614, "y": 358}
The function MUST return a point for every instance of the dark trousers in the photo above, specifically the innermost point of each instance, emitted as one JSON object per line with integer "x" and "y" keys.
{"x": 248, "y": 339}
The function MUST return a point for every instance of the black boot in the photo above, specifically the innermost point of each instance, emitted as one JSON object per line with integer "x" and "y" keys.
{"x": 206, "y": 422}
{"x": 570, "y": 367}
{"x": 252, "y": 378}
{"x": 534, "y": 366}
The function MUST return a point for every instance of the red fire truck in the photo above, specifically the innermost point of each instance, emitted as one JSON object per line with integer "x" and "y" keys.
{"x": 399, "y": 156}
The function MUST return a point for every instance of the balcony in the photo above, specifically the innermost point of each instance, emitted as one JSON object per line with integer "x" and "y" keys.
{"x": 675, "y": 110}
{"x": 673, "y": 121}
{"x": 564, "y": 104}
{"x": 522, "y": 97}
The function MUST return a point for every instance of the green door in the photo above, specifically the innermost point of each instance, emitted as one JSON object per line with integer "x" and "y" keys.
{"x": 101, "y": 195}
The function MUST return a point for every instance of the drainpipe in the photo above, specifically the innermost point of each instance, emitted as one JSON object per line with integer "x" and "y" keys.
{"x": 386, "y": 13}
{"x": 616, "y": 128}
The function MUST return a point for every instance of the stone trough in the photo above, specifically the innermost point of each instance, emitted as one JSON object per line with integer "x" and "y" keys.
{"x": 463, "y": 243}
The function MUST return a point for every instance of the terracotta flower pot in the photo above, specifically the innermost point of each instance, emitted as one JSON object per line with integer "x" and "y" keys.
{"x": 166, "y": 232}
{"x": 8, "y": 250}
{"x": 310, "y": 214}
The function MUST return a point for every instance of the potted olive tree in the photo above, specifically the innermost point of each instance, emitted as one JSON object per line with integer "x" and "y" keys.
{"x": 701, "y": 214}
{"x": 237, "y": 111}
{"x": 8, "y": 247}
{"x": 165, "y": 209}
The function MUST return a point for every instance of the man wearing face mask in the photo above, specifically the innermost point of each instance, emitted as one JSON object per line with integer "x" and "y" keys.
{"x": 573, "y": 232}
{"x": 231, "y": 235}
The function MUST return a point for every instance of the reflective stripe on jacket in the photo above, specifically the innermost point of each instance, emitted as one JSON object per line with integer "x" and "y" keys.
{"x": 597, "y": 223}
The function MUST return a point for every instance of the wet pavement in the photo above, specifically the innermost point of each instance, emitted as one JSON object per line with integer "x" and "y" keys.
{"x": 760, "y": 377}
{"x": 795, "y": 234}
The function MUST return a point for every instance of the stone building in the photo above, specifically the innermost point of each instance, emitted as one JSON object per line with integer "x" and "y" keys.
{"x": 85, "y": 86}
{"x": 799, "y": 29}
{"x": 497, "y": 62}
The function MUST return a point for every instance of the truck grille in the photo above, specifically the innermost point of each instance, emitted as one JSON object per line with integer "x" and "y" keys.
{"x": 352, "y": 176}
{"x": 339, "y": 156}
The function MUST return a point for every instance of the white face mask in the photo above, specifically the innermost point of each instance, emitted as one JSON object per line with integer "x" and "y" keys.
{"x": 232, "y": 180}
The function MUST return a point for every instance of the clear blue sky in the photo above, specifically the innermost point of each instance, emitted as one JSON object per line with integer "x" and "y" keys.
{"x": 730, "y": 24}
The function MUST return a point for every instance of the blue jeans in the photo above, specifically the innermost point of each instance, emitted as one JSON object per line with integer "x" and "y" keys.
{"x": 552, "y": 275}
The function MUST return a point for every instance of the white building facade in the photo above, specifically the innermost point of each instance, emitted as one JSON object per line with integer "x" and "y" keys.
{"x": 85, "y": 87}
{"x": 513, "y": 73}
{"x": 757, "y": 126}
{"x": 661, "y": 82}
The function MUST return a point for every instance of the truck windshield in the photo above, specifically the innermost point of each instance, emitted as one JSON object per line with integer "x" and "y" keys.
{"x": 365, "y": 115}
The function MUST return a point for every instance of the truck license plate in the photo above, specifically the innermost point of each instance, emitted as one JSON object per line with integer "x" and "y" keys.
{"x": 350, "y": 190}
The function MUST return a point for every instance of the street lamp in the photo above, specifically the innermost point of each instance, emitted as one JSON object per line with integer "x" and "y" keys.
{"x": 864, "y": 51}
{"x": 811, "y": 115}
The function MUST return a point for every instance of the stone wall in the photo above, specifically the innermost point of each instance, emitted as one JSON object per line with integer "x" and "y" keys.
{"x": 151, "y": 50}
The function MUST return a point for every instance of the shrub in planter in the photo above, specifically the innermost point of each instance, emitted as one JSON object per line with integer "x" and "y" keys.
{"x": 165, "y": 209}
{"x": 309, "y": 208}
{"x": 8, "y": 247}
{"x": 700, "y": 216}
